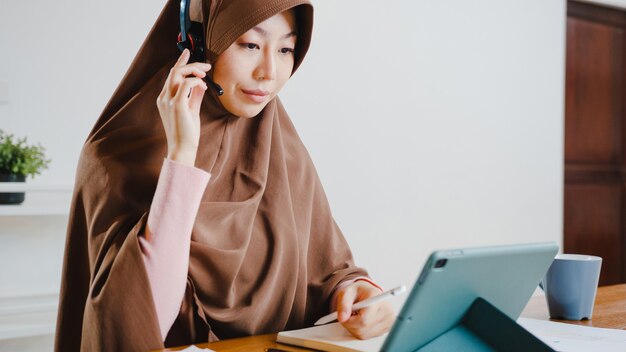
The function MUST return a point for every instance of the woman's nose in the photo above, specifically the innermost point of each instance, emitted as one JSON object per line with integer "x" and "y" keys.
{"x": 266, "y": 69}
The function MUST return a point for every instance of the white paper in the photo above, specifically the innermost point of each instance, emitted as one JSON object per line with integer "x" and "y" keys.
{"x": 196, "y": 348}
{"x": 573, "y": 338}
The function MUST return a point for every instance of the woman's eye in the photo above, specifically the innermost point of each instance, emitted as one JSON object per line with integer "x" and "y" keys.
{"x": 286, "y": 50}
{"x": 250, "y": 46}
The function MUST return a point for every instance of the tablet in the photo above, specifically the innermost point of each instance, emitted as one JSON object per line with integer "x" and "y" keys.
{"x": 450, "y": 281}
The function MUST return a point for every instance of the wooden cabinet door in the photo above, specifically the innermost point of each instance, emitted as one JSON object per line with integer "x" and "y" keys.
{"x": 594, "y": 194}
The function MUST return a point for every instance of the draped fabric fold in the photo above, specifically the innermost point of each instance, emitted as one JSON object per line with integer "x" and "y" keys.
{"x": 265, "y": 252}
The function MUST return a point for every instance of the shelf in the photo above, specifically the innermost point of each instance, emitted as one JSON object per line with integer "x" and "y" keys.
{"x": 33, "y": 187}
{"x": 27, "y": 316}
{"x": 39, "y": 200}
{"x": 25, "y": 209}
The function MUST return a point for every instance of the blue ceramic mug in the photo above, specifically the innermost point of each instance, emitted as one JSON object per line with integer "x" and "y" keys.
{"x": 571, "y": 284}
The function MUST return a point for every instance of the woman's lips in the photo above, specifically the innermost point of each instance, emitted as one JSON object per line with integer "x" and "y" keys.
{"x": 256, "y": 95}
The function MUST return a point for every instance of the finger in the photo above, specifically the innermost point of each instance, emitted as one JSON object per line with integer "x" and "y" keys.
{"x": 181, "y": 61}
{"x": 363, "y": 293}
{"x": 184, "y": 91}
{"x": 355, "y": 327}
{"x": 179, "y": 73}
{"x": 171, "y": 83}
{"x": 359, "y": 319}
{"x": 366, "y": 316}
{"x": 362, "y": 330}
{"x": 345, "y": 299}
{"x": 197, "y": 69}
{"x": 382, "y": 321}
{"x": 371, "y": 321}
{"x": 183, "y": 58}
{"x": 204, "y": 66}
{"x": 196, "y": 98}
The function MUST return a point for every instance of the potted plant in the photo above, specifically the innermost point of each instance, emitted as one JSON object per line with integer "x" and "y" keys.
{"x": 17, "y": 161}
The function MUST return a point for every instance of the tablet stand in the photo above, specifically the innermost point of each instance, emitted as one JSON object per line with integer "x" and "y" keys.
{"x": 485, "y": 328}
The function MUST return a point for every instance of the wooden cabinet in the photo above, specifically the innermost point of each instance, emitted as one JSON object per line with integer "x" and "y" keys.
{"x": 595, "y": 142}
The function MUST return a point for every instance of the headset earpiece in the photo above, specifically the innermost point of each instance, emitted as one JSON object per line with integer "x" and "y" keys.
{"x": 193, "y": 42}
{"x": 190, "y": 37}
{"x": 183, "y": 45}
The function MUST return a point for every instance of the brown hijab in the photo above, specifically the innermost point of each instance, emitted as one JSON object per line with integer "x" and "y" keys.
{"x": 265, "y": 251}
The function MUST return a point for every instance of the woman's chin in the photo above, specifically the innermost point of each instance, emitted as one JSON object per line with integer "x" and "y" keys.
{"x": 248, "y": 111}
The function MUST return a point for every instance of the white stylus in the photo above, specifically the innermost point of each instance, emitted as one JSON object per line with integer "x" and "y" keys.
{"x": 360, "y": 305}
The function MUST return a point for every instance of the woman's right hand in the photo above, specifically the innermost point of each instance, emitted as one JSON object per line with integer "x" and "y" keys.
{"x": 179, "y": 107}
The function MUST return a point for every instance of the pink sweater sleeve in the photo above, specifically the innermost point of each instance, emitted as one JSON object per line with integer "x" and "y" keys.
{"x": 166, "y": 240}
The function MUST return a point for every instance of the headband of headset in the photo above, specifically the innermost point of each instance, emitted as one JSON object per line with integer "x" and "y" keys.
{"x": 190, "y": 36}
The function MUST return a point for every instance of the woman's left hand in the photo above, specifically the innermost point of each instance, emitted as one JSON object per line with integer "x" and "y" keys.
{"x": 368, "y": 322}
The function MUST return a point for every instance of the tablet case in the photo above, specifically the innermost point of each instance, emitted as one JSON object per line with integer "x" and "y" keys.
{"x": 485, "y": 328}
{"x": 472, "y": 300}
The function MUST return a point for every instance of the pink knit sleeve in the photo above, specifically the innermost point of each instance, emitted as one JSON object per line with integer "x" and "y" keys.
{"x": 166, "y": 240}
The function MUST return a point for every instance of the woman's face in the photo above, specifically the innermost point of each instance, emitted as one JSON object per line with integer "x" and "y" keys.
{"x": 257, "y": 65}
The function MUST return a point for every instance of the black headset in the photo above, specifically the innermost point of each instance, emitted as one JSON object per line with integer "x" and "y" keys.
{"x": 191, "y": 37}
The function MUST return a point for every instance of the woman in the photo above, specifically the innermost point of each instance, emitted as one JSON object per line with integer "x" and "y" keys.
{"x": 201, "y": 217}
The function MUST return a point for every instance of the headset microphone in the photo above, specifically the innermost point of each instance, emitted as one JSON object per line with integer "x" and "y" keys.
{"x": 190, "y": 37}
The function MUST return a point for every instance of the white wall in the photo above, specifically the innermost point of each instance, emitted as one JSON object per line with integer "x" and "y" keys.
{"x": 433, "y": 124}
{"x": 60, "y": 63}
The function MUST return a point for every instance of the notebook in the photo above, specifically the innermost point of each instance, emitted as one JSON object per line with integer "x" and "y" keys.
{"x": 449, "y": 283}
{"x": 330, "y": 337}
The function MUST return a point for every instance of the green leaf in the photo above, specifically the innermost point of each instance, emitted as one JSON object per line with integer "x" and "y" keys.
{"x": 17, "y": 157}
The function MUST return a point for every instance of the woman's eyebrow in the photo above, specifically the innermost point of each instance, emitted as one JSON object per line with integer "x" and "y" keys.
{"x": 263, "y": 32}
